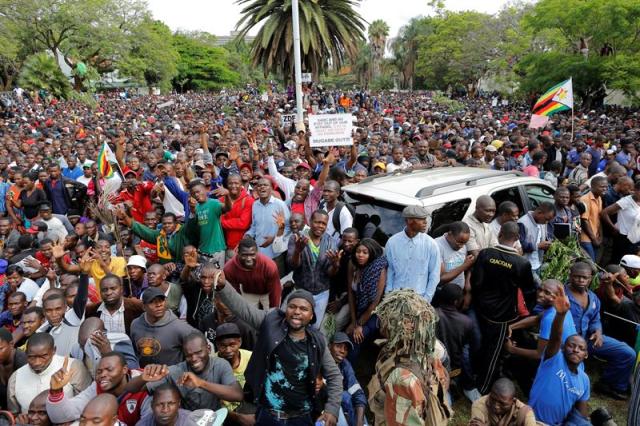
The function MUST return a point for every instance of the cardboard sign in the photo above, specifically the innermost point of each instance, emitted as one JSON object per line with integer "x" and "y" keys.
{"x": 306, "y": 77}
{"x": 330, "y": 129}
{"x": 166, "y": 104}
{"x": 287, "y": 119}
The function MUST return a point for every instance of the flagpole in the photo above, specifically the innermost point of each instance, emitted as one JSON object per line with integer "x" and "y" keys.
{"x": 571, "y": 82}
{"x": 572, "y": 124}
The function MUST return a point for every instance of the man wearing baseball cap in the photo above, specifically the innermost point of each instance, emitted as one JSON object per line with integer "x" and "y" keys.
{"x": 228, "y": 342}
{"x": 354, "y": 401}
{"x": 414, "y": 258}
{"x": 158, "y": 335}
{"x": 286, "y": 360}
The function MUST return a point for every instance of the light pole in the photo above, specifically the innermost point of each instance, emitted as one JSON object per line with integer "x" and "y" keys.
{"x": 297, "y": 64}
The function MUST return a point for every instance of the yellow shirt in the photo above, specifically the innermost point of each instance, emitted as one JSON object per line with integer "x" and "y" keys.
{"x": 117, "y": 266}
{"x": 245, "y": 355}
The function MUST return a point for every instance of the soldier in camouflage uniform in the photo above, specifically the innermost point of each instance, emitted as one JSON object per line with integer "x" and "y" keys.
{"x": 410, "y": 385}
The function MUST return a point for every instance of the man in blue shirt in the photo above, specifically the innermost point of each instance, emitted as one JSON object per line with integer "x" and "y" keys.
{"x": 561, "y": 388}
{"x": 264, "y": 227}
{"x": 72, "y": 171}
{"x": 414, "y": 258}
{"x": 585, "y": 310}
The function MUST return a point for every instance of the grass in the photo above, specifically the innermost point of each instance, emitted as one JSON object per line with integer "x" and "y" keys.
{"x": 364, "y": 369}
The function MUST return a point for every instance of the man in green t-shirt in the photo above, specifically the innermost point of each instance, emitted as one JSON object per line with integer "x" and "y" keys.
{"x": 211, "y": 247}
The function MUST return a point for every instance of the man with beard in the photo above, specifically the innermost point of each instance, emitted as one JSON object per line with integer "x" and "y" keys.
{"x": 202, "y": 380}
{"x": 286, "y": 360}
{"x": 112, "y": 376}
{"x": 116, "y": 311}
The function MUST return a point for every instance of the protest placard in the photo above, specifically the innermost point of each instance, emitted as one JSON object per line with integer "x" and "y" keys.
{"x": 306, "y": 77}
{"x": 287, "y": 119}
{"x": 330, "y": 129}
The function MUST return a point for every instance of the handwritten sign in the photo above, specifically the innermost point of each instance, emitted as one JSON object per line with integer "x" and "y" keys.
{"x": 306, "y": 77}
{"x": 330, "y": 129}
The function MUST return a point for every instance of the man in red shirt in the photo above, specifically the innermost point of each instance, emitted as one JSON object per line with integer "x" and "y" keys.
{"x": 135, "y": 195}
{"x": 254, "y": 275}
{"x": 237, "y": 221}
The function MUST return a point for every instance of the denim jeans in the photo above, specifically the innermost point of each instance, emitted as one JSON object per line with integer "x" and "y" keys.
{"x": 321, "y": 301}
{"x": 620, "y": 359}
{"x": 590, "y": 249}
{"x": 369, "y": 331}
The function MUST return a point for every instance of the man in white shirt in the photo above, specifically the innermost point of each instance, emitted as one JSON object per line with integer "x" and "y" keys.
{"x": 87, "y": 174}
{"x": 56, "y": 231}
{"x": 42, "y": 363}
{"x": 17, "y": 281}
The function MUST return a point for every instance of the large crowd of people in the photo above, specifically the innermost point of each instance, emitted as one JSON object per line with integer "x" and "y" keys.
{"x": 220, "y": 275}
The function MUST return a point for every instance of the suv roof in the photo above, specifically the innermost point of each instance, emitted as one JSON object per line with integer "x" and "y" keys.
{"x": 435, "y": 185}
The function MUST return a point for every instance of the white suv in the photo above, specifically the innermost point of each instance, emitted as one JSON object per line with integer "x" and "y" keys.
{"x": 449, "y": 194}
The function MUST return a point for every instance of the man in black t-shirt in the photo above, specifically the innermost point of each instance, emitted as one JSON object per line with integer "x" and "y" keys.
{"x": 497, "y": 275}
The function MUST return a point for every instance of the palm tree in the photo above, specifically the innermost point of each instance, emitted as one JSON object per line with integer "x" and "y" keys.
{"x": 330, "y": 31}
{"x": 378, "y": 32}
{"x": 41, "y": 71}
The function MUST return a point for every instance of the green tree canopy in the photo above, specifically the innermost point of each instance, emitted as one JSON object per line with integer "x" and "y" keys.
{"x": 152, "y": 57}
{"x": 458, "y": 51}
{"x": 600, "y": 47}
{"x": 201, "y": 66}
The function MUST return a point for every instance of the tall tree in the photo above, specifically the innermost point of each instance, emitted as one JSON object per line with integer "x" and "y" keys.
{"x": 152, "y": 57}
{"x": 378, "y": 32}
{"x": 330, "y": 31}
{"x": 458, "y": 52}
{"x": 599, "y": 47}
{"x": 405, "y": 48}
{"x": 94, "y": 32}
{"x": 201, "y": 66}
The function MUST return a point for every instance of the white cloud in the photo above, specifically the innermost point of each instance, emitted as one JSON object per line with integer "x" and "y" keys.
{"x": 219, "y": 17}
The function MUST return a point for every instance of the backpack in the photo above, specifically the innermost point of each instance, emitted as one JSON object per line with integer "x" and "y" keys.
{"x": 335, "y": 220}
{"x": 436, "y": 410}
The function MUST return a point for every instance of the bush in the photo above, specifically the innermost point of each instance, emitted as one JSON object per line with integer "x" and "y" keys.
{"x": 41, "y": 71}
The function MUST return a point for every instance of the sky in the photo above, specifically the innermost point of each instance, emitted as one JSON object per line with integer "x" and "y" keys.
{"x": 219, "y": 17}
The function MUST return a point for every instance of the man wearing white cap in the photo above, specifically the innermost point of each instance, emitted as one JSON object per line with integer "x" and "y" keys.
{"x": 137, "y": 276}
{"x": 631, "y": 264}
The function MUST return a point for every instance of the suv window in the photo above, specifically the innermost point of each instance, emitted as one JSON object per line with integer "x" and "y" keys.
{"x": 509, "y": 194}
{"x": 376, "y": 219}
{"x": 537, "y": 194}
{"x": 446, "y": 213}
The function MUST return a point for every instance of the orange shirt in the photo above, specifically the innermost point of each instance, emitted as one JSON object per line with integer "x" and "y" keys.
{"x": 592, "y": 215}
